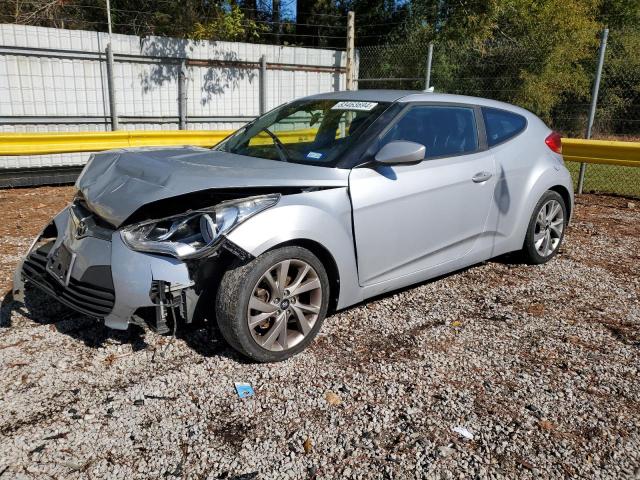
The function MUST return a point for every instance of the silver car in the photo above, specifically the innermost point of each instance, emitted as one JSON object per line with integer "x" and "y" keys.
{"x": 315, "y": 206}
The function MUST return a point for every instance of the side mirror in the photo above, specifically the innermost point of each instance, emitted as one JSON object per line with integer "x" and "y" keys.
{"x": 401, "y": 151}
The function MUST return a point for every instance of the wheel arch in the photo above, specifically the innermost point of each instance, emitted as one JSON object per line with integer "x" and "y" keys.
{"x": 547, "y": 179}
{"x": 566, "y": 196}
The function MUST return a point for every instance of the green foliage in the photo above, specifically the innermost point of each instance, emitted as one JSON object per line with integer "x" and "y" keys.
{"x": 230, "y": 25}
{"x": 619, "y": 101}
{"x": 537, "y": 54}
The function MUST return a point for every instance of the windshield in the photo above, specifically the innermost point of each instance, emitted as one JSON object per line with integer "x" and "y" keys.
{"x": 314, "y": 132}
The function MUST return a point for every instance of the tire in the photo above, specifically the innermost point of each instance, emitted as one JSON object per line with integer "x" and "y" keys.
{"x": 546, "y": 228}
{"x": 278, "y": 335}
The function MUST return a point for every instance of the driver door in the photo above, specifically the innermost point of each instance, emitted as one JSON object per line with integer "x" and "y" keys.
{"x": 413, "y": 218}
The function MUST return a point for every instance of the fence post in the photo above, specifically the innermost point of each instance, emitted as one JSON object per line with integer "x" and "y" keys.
{"x": 111, "y": 87}
{"x": 351, "y": 20}
{"x": 263, "y": 85}
{"x": 427, "y": 80}
{"x": 594, "y": 101}
{"x": 182, "y": 96}
{"x": 113, "y": 112}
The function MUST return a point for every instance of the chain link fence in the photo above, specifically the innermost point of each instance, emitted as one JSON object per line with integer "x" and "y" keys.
{"x": 523, "y": 74}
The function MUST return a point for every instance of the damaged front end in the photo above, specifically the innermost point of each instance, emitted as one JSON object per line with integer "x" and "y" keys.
{"x": 151, "y": 273}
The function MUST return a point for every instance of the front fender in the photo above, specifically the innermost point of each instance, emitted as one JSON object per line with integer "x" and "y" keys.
{"x": 321, "y": 216}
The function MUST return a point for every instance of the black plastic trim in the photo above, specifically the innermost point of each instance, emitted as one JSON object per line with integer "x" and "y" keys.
{"x": 93, "y": 300}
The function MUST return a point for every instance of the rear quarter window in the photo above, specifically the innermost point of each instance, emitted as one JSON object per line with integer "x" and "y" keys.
{"x": 501, "y": 125}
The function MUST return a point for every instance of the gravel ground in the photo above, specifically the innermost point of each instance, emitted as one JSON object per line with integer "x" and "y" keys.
{"x": 539, "y": 364}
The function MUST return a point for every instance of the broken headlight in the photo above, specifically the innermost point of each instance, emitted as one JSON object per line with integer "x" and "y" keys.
{"x": 195, "y": 233}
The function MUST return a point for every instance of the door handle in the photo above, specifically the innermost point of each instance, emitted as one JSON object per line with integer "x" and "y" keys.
{"x": 481, "y": 177}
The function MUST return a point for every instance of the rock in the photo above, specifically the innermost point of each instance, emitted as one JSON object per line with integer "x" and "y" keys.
{"x": 446, "y": 451}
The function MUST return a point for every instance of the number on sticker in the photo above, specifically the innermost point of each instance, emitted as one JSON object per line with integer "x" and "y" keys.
{"x": 356, "y": 106}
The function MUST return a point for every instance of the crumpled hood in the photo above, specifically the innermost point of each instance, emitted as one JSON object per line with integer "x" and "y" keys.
{"x": 116, "y": 183}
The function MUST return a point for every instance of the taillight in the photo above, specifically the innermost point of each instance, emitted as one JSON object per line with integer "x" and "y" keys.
{"x": 554, "y": 142}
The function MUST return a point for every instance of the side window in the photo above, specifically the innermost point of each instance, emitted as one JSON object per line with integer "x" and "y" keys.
{"x": 501, "y": 125}
{"x": 442, "y": 130}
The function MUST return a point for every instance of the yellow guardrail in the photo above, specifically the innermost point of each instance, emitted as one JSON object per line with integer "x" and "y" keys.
{"x": 48, "y": 143}
{"x": 622, "y": 154}
{"x": 576, "y": 150}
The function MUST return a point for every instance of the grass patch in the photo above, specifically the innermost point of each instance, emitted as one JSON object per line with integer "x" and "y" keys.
{"x": 608, "y": 179}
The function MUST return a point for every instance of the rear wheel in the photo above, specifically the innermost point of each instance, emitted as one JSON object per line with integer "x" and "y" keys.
{"x": 272, "y": 307}
{"x": 546, "y": 229}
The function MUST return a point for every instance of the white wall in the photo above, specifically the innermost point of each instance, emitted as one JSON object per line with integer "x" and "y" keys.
{"x": 54, "y": 80}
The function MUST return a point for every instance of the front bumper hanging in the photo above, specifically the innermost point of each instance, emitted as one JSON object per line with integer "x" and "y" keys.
{"x": 106, "y": 279}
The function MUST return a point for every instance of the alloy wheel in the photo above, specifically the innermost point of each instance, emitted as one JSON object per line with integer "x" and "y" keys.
{"x": 548, "y": 228}
{"x": 284, "y": 305}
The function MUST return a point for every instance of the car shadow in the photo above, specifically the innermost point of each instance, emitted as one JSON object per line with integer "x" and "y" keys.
{"x": 6, "y": 308}
{"x": 44, "y": 310}
{"x": 202, "y": 336}
{"x": 512, "y": 259}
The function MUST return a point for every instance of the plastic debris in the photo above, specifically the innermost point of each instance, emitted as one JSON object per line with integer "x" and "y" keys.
{"x": 244, "y": 390}
{"x": 463, "y": 432}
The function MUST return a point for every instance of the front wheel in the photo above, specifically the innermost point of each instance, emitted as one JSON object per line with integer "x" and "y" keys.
{"x": 546, "y": 229}
{"x": 273, "y": 306}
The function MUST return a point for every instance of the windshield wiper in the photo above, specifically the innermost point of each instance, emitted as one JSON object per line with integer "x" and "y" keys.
{"x": 280, "y": 148}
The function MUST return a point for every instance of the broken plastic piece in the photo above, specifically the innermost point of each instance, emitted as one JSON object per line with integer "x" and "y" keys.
{"x": 244, "y": 390}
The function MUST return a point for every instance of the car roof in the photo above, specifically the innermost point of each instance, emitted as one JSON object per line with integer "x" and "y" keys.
{"x": 405, "y": 96}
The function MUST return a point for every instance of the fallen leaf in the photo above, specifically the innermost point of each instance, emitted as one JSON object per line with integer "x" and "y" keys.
{"x": 332, "y": 398}
{"x": 525, "y": 463}
{"x": 546, "y": 425}
{"x": 456, "y": 323}
{"x": 307, "y": 445}
{"x": 574, "y": 340}
{"x": 109, "y": 359}
{"x": 536, "y": 309}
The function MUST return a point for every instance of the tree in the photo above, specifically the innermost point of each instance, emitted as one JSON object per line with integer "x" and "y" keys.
{"x": 232, "y": 26}
{"x": 534, "y": 54}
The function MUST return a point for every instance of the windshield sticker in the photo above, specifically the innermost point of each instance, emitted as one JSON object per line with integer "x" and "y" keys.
{"x": 357, "y": 106}
{"x": 314, "y": 155}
